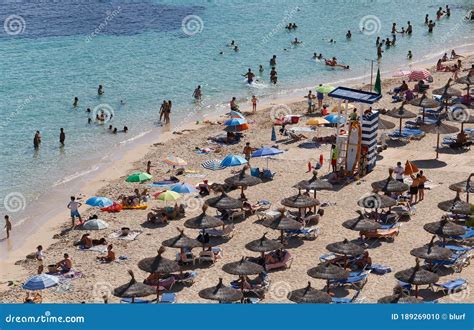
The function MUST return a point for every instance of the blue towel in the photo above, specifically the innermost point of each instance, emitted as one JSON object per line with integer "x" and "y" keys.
{"x": 454, "y": 284}
{"x": 380, "y": 269}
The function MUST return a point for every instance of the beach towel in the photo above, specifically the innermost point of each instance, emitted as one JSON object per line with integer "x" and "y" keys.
{"x": 97, "y": 248}
{"x": 71, "y": 275}
{"x": 195, "y": 175}
{"x": 380, "y": 269}
{"x": 162, "y": 183}
{"x": 132, "y": 235}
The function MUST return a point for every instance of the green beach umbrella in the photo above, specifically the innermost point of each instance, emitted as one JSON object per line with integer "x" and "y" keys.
{"x": 139, "y": 177}
{"x": 169, "y": 195}
{"x": 324, "y": 89}
{"x": 378, "y": 83}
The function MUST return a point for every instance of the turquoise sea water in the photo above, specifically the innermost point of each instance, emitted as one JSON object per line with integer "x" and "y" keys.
{"x": 52, "y": 51}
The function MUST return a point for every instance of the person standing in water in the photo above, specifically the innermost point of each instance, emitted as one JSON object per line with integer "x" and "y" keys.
{"x": 197, "y": 94}
{"x": 100, "y": 90}
{"x": 76, "y": 102}
{"x": 431, "y": 25}
{"x": 260, "y": 68}
{"x": 37, "y": 140}
{"x": 8, "y": 225}
{"x": 273, "y": 60}
{"x": 348, "y": 34}
{"x": 249, "y": 75}
{"x": 168, "y": 112}
{"x": 162, "y": 109}
{"x": 410, "y": 55}
{"x": 62, "y": 137}
{"x": 379, "y": 51}
{"x": 273, "y": 76}
{"x": 409, "y": 28}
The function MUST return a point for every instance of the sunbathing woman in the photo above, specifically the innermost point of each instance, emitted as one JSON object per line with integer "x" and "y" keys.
{"x": 110, "y": 255}
{"x": 85, "y": 241}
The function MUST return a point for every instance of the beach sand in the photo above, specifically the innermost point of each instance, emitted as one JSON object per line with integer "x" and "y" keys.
{"x": 290, "y": 167}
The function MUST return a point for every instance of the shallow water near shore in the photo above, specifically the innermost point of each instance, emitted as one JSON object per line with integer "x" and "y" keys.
{"x": 141, "y": 53}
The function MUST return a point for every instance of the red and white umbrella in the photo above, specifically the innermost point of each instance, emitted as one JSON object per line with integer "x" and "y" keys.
{"x": 416, "y": 75}
{"x": 401, "y": 73}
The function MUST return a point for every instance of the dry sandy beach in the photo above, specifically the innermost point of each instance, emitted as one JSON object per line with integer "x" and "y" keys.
{"x": 291, "y": 167}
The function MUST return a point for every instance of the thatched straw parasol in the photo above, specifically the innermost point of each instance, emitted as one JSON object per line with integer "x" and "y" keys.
{"x": 417, "y": 276}
{"x": 263, "y": 245}
{"x": 439, "y": 128}
{"x": 385, "y": 124}
{"x": 444, "y": 228}
{"x": 376, "y": 201}
{"x": 425, "y": 102}
{"x": 221, "y": 293}
{"x": 133, "y": 289}
{"x": 308, "y": 295}
{"x": 464, "y": 187}
{"x": 158, "y": 264}
{"x": 432, "y": 252}
{"x": 328, "y": 272}
{"x": 390, "y": 185}
{"x": 282, "y": 223}
{"x": 203, "y": 221}
{"x": 242, "y": 268}
{"x": 399, "y": 297}
{"x": 224, "y": 202}
{"x": 181, "y": 241}
{"x": 299, "y": 201}
{"x": 243, "y": 180}
{"x": 345, "y": 248}
{"x": 361, "y": 223}
{"x": 456, "y": 206}
{"x": 401, "y": 113}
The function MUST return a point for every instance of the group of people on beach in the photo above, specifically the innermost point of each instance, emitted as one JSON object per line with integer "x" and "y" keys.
{"x": 165, "y": 111}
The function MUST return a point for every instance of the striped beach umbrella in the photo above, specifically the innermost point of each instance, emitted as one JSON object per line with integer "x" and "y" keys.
{"x": 416, "y": 75}
{"x": 174, "y": 161}
{"x": 213, "y": 165}
{"x": 41, "y": 282}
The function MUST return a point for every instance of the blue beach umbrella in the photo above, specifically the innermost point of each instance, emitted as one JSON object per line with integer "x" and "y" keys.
{"x": 266, "y": 152}
{"x": 233, "y": 160}
{"x": 183, "y": 188}
{"x": 99, "y": 201}
{"x": 40, "y": 282}
{"x": 274, "y": 136}
{"x": 335, "y": 119}
{"x": 235, "y": 122}
{"x": 236, "y": 114}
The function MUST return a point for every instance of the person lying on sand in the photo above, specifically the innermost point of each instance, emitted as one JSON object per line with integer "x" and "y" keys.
{"x": 155, "y": 219}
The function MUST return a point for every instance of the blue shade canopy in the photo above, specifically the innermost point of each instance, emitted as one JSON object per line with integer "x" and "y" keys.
{"x": 355, "y": 95}
{"x": 235, "y": 122}
{"x": 233, "y": 160}
{"x": 183, "y": 188}
{"x": 40, "y": 282}
{"x": 99, "y": 201}
{"x": 213, "y": 165}
{"x": 265, "y": 152}
{"x": 335, "y": 119}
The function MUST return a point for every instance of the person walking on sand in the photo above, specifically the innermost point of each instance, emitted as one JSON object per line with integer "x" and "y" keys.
{"x": 248, "y": 151}
{"x": 62, "y": 137}
{"x": 197, "y": 94}
{"x": 421, "y": 186}
{"x": 37, "y": 140}
{"x": 254, "y": 103}
{"x": 148, "y": 167}
{"x": 162, "y": 110}
{"x": 333, "y": 158}
{"x": 39, "y": 256}
{"x": 8, "y": 225}
{"x": 74, "y": 207}
{"x": 399, "y": 170}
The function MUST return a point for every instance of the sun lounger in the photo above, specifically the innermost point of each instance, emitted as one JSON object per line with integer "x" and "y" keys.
{"x": 452, "y": 286}
{"x": 211, "y": 256}
{"x": 389, "y": 234}
{"x": 237, "y": 215}
{"x": 226, "y": 232}
{"x": 356, "y": 280}
{"x": 469, "y": 234}
{"x": 185, "y": 278}
{"x": 168, "y": 298}
{"x": 186, "y": 258}
{"x": 457, "y": 262}
{"x": 294, "y": 137}
{"x": 284, "y": 263}
{"x": 380, "y": 269}
{"x": 268, "y": 175}
{"x": 458, "y": 249}
{"x": 134, "y": 301}
{"x": 354, "y": 299}
{"x": 255, "y": 172}
{"x": 306, "y": 233}
{"x": 257, "y": 285}
{"x": 407, "y": 133}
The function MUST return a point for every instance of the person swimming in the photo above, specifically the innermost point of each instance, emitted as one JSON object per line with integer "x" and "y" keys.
{"x": 296, "y": 42}
{"x": 273, "y": 76}
{"x": 197, "y": 94}
{"x": 410, "y": 55}
{"x": 260, "y": 68}
{"x": 333, "y": 62}
{"x": 100, "y": 90}
{"x": 236, "y": 49}
{"x": 76, "y": 102}
{"x": 348, "y": 34}
{"x": 249, "y": 75}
